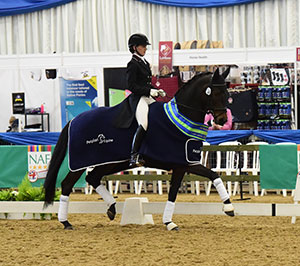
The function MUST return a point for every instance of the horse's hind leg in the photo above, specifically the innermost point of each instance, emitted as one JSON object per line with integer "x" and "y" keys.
{"x": 66, "y": 186}
{"x": 176, "y": 180}
{"x": 94, "y": 179}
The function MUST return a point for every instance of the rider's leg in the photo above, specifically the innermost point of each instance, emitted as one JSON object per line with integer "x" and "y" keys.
{"x": 142, "y": 119}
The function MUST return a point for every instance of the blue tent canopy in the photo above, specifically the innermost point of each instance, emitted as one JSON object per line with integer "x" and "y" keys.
{"x": 214, "y": 137}
{"x": 200, "y": 3}
{"x": 15, "y": 7}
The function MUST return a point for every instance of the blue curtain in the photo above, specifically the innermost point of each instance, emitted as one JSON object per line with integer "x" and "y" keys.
{"x": 14, "y": 7}
{"x": 200, "y": 3}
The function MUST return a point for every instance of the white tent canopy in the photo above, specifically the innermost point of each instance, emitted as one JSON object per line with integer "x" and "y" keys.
{"x": 87, "y": 26}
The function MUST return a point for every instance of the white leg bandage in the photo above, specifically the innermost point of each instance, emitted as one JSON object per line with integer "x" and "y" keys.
{"x": 104, "y": 193}
{"x": 218, "y": 183}
{"x": 168, "y": 212}
{"x": 63, "y": 208}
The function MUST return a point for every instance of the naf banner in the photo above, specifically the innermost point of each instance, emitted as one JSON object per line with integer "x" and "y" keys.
{"x": 77, "y": 96}
{"x": 39, "y": 157}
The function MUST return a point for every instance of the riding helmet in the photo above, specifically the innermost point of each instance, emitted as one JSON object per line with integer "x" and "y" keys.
{"x": 136, "y": 40}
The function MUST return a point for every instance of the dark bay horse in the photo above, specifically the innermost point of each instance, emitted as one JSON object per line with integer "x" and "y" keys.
{"x": 205, "y": 93}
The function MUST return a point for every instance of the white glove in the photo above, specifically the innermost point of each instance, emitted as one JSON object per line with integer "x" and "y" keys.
{"x": 162, "y": 93}
{"x": 154, "y": 92}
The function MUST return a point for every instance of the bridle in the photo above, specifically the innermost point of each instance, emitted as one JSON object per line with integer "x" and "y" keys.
{"x": 210, "y": 110}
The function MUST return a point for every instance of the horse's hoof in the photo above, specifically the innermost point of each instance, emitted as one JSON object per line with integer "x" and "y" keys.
{"x": 230, "y": 213}
{"x": 111, "y": 212}
{"x": 67, "y": 225}
{"x": 172, "y": 226}
{"x": 228, "y": 209}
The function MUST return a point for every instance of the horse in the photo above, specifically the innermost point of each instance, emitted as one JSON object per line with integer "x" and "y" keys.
{"x": 184, "y": 116}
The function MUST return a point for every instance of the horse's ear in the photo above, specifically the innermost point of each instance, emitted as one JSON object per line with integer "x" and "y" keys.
{"x": 216, "y": 77}
{"x": 226, "y": 72}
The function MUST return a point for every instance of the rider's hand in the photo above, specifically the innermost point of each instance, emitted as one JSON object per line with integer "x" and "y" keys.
{"x": 154, "y": 93}
{"x": 216, "y": 126}
{"x": 162, "y": 93}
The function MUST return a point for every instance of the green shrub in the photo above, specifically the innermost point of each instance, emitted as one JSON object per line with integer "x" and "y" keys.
{"x": 7, "y": 195}
{"x": 26, "y": 193}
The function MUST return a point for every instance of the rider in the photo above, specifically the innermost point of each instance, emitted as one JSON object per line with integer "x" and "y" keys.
{"x": 139, "y": 83}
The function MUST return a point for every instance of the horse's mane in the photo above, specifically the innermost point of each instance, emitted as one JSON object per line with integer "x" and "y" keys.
{"x": 192, "y": 80}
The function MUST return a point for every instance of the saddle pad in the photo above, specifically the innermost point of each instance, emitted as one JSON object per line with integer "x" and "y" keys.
{"x": 94, "y": 141}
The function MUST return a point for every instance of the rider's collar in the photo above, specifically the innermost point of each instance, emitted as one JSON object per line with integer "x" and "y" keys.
{"x": 140, "y": 57}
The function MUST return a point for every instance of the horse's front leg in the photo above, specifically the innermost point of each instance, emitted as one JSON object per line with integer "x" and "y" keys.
{"x": 218, "y": 183}
{"x": 176, "y": 180}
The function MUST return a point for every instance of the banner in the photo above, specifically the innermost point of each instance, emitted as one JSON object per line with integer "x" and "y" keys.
{"x": 18, "y": 103}
{"x": 77, "y": 96}
{"x": 39, "y": 157}
{"x": 116, "y": 96}
{"x": 278, "y": 166}
{"x": 165, "y": 57}
{"x": 16, "y": 161}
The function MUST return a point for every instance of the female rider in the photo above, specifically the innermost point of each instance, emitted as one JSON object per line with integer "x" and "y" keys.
{"x": 143, "y": 94}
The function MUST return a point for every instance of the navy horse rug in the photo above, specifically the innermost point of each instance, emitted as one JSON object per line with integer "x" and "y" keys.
{"x": 170, "y": 138}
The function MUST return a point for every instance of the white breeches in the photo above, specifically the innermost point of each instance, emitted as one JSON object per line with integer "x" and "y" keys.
{"x": 142, "y": 110}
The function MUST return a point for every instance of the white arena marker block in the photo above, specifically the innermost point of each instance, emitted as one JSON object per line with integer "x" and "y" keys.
{"x": 133, "y": 212}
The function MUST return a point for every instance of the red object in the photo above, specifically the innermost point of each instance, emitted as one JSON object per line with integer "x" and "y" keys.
{"x": 42, "y": 109}
{"x": 169, "y": 85}
{"x": 165, "y": 58}
{"x": 298, "y": 54}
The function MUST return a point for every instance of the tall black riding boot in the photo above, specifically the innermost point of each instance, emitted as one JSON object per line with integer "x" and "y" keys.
{"x": 135, "y": 159}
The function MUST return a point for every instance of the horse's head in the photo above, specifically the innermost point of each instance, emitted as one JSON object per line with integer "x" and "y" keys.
{"x": 217, "y": 97}
{"x": 205, "y": 93}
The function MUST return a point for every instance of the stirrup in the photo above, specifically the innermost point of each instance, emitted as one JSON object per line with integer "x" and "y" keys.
{"x": 136, "y": 160}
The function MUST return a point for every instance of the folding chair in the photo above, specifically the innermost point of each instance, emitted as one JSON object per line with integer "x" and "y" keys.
{"x": 231, "y": 164}
{"x": 251, "y": 164}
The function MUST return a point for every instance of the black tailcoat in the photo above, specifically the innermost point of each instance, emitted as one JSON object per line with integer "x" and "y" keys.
{"x": 139, "y": 83}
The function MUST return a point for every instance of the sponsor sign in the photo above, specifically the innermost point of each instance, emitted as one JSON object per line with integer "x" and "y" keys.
{"x": 165, "y": 57}
{"x": 77, "y": 96}
{"x": 18, "y": 103}
{"x": 39, "y": 157}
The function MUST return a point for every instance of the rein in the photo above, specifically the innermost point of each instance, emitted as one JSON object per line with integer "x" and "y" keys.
{"x": 210, "y": 110}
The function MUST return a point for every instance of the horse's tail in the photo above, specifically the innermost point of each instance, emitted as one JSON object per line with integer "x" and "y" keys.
{"x": 55, "y": 163}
